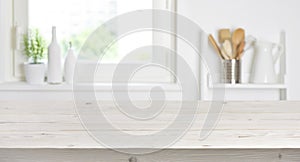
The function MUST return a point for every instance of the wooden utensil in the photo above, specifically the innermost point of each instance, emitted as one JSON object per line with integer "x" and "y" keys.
{"x": 228, "y": 48}
{"x": 224, "y": 54}
{"x": 215, "y": 45}
{"x": 240, "y": 50}
{"x": 238, "y": 37}
{"x": 224, "y": 34}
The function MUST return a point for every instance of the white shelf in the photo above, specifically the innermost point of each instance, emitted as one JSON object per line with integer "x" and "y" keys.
{"x": 248, "y": 86}
{"x": 23, "y": 86}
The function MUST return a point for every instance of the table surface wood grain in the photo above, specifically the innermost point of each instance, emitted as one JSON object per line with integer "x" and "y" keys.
{"x": 241, "y": 125}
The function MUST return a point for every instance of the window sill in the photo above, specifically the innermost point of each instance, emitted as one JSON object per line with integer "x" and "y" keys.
{"x": 23, "y": 86}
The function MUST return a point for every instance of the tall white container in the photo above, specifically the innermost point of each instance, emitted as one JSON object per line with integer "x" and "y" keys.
{"x": 54, "y": 61}
{"x": 70, "y": 65}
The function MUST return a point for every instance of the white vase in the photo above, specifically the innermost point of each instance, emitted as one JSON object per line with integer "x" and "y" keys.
{"x": 34, "y": 73}
{"x": 264, "y": 62}
{"x": 70, "y": 66}
{"x": 54, "y": 61}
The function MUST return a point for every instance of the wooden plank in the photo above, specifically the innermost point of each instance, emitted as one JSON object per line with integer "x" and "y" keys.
{"x": 290, "y": 155}
{"x": 263, "y": 121}
{"x": 218, "y": 139}
{"x": 101, "y": 155}
{"x": 69, "y": 107}
{"x": 241, "y": 125}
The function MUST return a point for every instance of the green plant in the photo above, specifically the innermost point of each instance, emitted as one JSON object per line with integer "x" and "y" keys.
{"x": 34, "y": 46}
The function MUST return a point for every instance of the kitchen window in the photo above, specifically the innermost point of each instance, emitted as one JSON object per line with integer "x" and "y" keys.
{"x": 16, "y": 13}
{"x": 77, "y": 19}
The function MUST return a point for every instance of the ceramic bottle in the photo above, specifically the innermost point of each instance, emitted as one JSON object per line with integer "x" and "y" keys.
{"x": 54, "y": 61}
{"x": 69, "y": 66}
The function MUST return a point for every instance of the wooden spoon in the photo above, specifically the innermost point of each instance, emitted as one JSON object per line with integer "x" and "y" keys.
{"x": 215, "y": 45}
{"x": 238, "y": 37}
{"x": 240, "y": 50}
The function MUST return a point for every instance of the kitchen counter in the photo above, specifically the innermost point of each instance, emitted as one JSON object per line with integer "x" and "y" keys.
{"x": 51, "y": 131}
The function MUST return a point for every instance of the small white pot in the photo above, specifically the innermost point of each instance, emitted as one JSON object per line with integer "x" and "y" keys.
{"x": 35, "y": 73}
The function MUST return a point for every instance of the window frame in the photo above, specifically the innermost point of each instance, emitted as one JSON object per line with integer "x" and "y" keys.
{"x": 8, "y": 58}
{"x": 6, "y": 41}
{"x": 21, "y": 19}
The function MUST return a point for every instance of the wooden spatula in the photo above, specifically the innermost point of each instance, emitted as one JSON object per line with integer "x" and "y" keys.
{"x": 224, "y": 34}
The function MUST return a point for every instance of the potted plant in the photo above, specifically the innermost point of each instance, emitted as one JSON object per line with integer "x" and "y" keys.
{"x": 34, "y": 49}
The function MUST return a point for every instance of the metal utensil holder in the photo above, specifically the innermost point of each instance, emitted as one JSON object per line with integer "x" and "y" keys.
{"x": 231, "y": 71}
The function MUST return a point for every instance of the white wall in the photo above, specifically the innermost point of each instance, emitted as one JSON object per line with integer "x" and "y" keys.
{"x": 261, "y": 18}
{"x": 5, "y": 39}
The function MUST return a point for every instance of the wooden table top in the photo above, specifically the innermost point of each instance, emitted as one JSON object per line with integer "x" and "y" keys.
{"x": 56, "y": 124}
